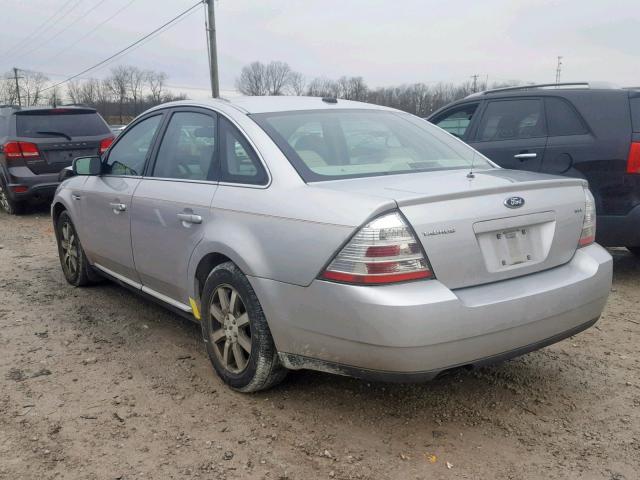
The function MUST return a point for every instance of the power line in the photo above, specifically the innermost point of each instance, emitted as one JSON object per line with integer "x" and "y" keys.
{"x": 62, "y": 13}
{"x": 143, "y": 43}
{"x": 37, "y": 29}
{"x": 64, "y": 29}
{"x": 129, "y": 47}
{"x": 92, "y": 31}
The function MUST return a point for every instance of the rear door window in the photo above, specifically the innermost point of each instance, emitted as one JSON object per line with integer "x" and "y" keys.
{"x": 51, "y": 125}
{"x": 457, "y": 120}
{"x": 187, "y": 148}
{"x": 635, "y": 113}
{"x": 562, "y": 118}
{"x": 512, "y": 119}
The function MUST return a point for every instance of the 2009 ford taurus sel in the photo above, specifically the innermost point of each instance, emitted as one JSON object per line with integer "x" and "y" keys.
{"x": 333, "y": 235}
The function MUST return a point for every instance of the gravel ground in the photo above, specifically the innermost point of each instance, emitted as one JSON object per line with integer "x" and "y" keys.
{"x": 98, "y": 383}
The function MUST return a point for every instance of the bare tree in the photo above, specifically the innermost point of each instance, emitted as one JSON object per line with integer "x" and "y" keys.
{"x": 252, "y": 79}
{"x": 7, "y": 90}
{"x": 297, "y": 83}
{"x": 104, "y": 95}
{"x": 89, "y": 92}
{"x": 74, "y": 91}
{"x": 54, "y": 96}
{"x": 352, "y": 88}
{"x": 156, "y": 82}
{"x": 118, "y": 84}
{"x": 31, "y": 85}
{"x": 323, "y": 87}
{"x": 278, "y": 75}
{"x": 136, "y": 80}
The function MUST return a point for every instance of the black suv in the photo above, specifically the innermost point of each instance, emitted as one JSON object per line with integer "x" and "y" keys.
{"x": 36, "y": 143}
{"x": 578, "y": 130}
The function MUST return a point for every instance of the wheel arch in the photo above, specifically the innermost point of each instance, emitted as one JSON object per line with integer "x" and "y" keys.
{"x": 56, "y": 210}
{"x": 206, "y": 260}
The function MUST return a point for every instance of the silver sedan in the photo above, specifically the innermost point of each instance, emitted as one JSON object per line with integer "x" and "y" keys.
{"x": 309, "y": 233}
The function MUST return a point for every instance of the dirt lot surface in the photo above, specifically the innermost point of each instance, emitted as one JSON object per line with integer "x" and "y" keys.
{"x": 98, "y": 383}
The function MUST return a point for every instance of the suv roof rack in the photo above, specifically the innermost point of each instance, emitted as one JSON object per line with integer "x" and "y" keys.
{"x": 589, "y": 85}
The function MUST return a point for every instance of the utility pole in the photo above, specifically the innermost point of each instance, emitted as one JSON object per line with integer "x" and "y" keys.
{"x": 475, "y": 82}
{"x": 213, "y": 51}
{"x": 15, "y": 76}
{"x": 558, "y": 70}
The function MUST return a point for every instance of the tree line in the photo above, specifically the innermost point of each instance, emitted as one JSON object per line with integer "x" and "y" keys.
{"x": 123, "y": 94}
{"x": 278, "y": 78}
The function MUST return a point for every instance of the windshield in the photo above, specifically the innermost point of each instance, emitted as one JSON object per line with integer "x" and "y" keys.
{"x": 65, "y": 124}
{"x": 329, "y": 145}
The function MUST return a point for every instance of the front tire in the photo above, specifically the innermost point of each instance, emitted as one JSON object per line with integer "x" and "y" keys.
{"x": 73, "y": 260}
{"x": 235, "y": 330}
{"x": 12, "y": 207}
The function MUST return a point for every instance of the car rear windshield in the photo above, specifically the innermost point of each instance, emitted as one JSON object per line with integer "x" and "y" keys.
{"x": 336, "y": 144}
{"x": 44, "y": 124}
{"x": 635, "y": 113}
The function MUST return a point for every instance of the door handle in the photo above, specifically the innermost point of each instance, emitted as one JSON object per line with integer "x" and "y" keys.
{"x": 189, "y": 218}
{"x": 75, "y": 196}
{"x": 525, "y": 156}
{"x": 118, "y": 207}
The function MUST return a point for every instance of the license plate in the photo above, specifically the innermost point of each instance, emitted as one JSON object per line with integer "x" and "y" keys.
{"x": 65, "y": 156}
{"x": 514, "y": 247}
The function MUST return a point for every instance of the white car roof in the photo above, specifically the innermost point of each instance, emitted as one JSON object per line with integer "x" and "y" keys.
{"x": 277, "y": 104}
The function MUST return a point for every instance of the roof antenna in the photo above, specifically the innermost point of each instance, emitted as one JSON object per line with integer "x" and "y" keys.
{"x": 471, "y": 175}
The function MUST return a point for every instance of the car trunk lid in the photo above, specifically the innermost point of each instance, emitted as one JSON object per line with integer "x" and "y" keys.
{"x": 469, "y": 233}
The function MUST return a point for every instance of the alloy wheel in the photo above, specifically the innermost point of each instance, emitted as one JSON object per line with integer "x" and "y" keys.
{"x": 230, "y": 329}
{"x": 70, "y": 251}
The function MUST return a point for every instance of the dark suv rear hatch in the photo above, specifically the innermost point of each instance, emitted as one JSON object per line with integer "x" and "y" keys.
{"x": 60, "y": 134}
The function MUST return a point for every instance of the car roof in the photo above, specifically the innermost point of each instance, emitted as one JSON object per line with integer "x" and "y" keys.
{"x": 271, "y": 104}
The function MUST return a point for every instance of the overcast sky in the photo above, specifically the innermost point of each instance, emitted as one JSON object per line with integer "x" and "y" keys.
{"x": 386, "y": 42}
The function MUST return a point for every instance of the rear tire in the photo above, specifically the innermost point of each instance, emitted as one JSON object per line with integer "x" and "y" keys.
{"x": 634, "y": 250}
{"x": 12, "y": 207}
{"x": 235, "y": 330}
{"x": 73, "y": 260}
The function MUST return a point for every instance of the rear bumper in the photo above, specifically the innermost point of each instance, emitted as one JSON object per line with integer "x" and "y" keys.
{"x": 619, "y": 230}
{"x": 415, "y": 330}
{"x": 38, "y": 186}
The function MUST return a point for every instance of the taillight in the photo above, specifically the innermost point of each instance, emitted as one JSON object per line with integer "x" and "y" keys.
{"x": 633, "y": 160}
{"x": 588, "y": 234}
{"x": 105, "y": 144}
{"x": 17, "y": 150}
{"x": 383, "y": 251}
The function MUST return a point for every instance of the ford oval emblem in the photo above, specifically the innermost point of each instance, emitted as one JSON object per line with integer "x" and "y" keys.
{"x": 514, "y": 202}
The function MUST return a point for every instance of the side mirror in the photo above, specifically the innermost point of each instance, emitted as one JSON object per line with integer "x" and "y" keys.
{"x": 87, "y": 165}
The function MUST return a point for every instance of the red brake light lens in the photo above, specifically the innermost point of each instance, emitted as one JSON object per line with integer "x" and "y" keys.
{"x": 12, "y": 150}
{"x": 17, "y": 150}
{"x": 633, "y": 161}
{"x": 105, "y": 144}
{"x": 383, "y": 251}
{"x": 29, "y": 150}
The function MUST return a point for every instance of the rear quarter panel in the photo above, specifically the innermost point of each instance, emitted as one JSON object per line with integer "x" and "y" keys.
{"x": 283, "y": 234}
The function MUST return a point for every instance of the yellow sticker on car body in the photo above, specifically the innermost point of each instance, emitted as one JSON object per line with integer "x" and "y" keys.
{"x": 194, "y": 308}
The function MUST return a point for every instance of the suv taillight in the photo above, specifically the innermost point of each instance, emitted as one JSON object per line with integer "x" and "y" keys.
{"x": 588, "y": 234}
{"x": 105, "y": 144}
{"x": 20, "y": 150}
{"x": 383, "y": 251}
{"x": 633, "y": 160}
